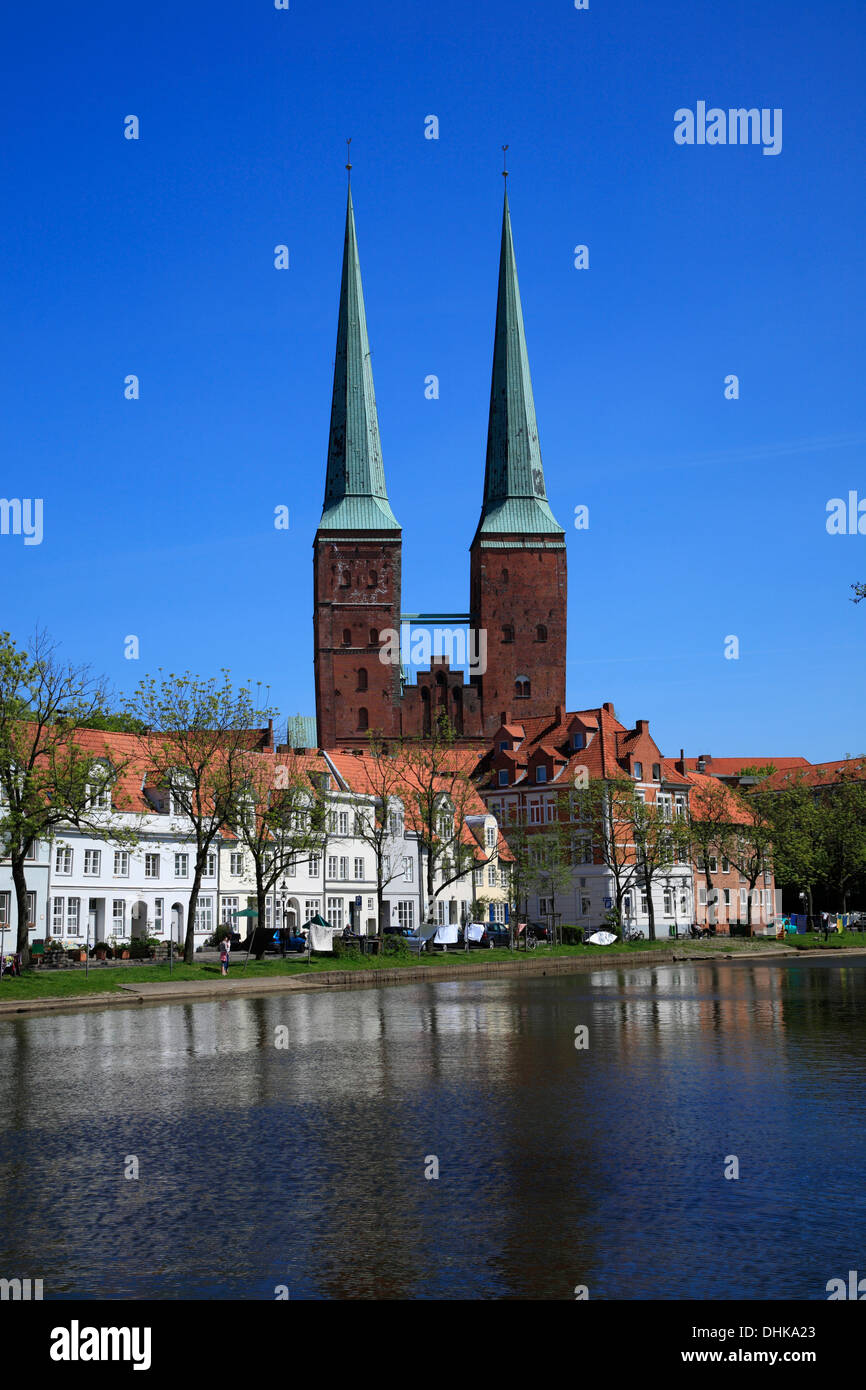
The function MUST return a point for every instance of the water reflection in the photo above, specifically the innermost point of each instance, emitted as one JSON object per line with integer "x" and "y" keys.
{"x": 261, "y": 1165}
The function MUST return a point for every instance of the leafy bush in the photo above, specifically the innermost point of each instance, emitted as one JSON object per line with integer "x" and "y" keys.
{"x": 395, "y": 945}
{"x": 572, "y": 936}
{"x": 343, "y": 948}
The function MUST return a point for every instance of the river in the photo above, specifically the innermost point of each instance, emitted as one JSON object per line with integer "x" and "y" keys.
{"x": 308, "y": 1168}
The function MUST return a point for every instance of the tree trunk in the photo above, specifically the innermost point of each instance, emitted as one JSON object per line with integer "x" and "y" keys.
{"x": 20, "y": 880}
{"x": 189, "y": 940}
{"x": 651, "y": 912}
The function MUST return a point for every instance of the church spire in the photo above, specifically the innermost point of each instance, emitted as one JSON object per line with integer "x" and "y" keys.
{"x": 515, "y": 500}
{"x": 355, "y": 495}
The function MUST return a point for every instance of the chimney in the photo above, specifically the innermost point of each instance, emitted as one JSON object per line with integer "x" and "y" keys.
{"x": 608, "y": 706}
{"x": 558, "y": 714}
{"x": 703, "y": 759}
{"x": 270, "y": 733}
{"x": 681, "y": 765}
{"x": 642, "y": 726}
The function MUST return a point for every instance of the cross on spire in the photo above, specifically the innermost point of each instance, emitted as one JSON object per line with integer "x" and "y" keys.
{"x": 349, "y": 158}
{"x": 504, "y": 166}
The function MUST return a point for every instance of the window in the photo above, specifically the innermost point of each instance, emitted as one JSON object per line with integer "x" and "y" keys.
{"x": 343, "y": 823}
{"x": 236, "y": 863}
{"x": 406, "y": 915}
{"x": 668, "y": 902}
{"x": 57, "y": 905}
{"x": 204, "y": 915}
{"x": 541, "y": 633}
{"x": 181, "y": 865}
{"x": 121, "y": 863}
{"x": 657, "y": 772}
{"x": 311, "y": 907}
{"x": 498, "y": 912}
{"x": 535, "y": 812}
{"x": 118, "y": 917}
{"x": 742, "y": 899}
{"x": 210, "y": 865}
{"x": 491, "y": 875}
{"x": 541, "y": 773}
{"x": 314, "y": 864}
{"x": 490, "y": 836}
{"x": 63, "y": 860}
{"x": 503, "y": 878}
{"x": 291, "y": 868}
{"x": 362, "y": 679}
{"x": 504, "y": 576}
{"x": 508, "y": 633}
{"x": 725, "y": 865}
{"x": 374, "y": 637}
{"x": 363, "y": 719}
{"x": 92, "y": 859}
{"x": 227, "y": 908}
{"x": 359, "y": 868}
{"x": 441, "y": 912}
{"x": 151, "y": 866}
{"x": 578, "y": 741}
{"x": 522, "y": 689}
{"x": 644, "y": 906}
{"x": 332, "y": 866}
{"x": 726, "y": 893}
{"x": 638, "y": 771}
{"x": 626, "y": 904}
{"x": 157, "y": 916}
{"x": 503, "y": 777}
{"x": 408, "y": 869}
{"x": 664, "y": 803}
{"x": 73, "y": 916}
{"x": 714, "y": 864}
{"x": 98, "y": 790}
{"x": 544, "y": 906}
{"x": 335, "y": 913}
{"x": 347, "y": 637}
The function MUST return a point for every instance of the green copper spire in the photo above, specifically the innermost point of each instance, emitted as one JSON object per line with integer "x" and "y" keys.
{"x": 514, "y": 495}
{"x": 355, "y": 495}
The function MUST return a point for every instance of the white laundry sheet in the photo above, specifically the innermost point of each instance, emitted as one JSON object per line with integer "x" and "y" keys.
{"x": 446, "y": 935}
{"x": 321, "y": 938}
{"x": 475, "y": 931}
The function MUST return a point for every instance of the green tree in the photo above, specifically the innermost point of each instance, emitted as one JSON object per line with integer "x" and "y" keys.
{"x": 48, "y": 778}
{"x": 197, "y": 751}
{"x": 606, "y": 808}
{"x": 795, "y": 840}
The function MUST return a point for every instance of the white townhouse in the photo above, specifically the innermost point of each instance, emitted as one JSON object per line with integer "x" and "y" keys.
{"x": 36, "y": 874}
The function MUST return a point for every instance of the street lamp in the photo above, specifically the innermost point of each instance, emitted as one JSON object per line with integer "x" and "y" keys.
{"x": 283, "y": 892}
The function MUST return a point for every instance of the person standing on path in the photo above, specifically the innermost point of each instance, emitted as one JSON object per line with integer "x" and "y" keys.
{"x": 225, "y": 947}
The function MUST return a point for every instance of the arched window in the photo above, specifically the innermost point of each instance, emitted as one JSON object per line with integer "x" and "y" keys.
{"x": 362, "y": 679}
{"x": 363, "y": 719}
{"x": 441, "y": 691}
{"x": 458, "y": 709}
{"x": 344, "y": 579}
{"x": 508, "y": 633}
{"x": 425, "y": 709}
{"x": 522, "y": 688}
{"x": 505, "y": 576}
{"x": 347, "y": 637}
{"x": 541, "y": 633}
{"x": 374, "y": 637}
{"x": 373, "y": 580}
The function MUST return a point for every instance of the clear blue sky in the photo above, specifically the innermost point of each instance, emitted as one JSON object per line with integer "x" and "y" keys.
{"x": 155, "y": 257}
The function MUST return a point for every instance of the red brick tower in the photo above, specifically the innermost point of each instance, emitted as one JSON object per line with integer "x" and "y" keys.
{"x": 517, "y": 558}
{"x": 357, "y": 547}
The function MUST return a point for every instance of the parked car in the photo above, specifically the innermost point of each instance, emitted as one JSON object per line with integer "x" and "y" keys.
{"x": 540, "y": 930}
{"x": 497, "y": 934}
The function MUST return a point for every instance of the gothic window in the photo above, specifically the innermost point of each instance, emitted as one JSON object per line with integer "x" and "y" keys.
{"x": 425, "y": 709}
{"x": 347, "y": 637}
{"x": 374, "y": 637}
{"x": 373, "y": 580}
{"x": 363, "y": 719}
{"x": 522, "y": 688}
{"x": 508, "y": 633}
{"x": 541, "y": 633}
{"x": 362, "y": 679}
{"x": 458, "y": 710}
{"x": 505, "y": 576}
{"x": 344, "y": 579}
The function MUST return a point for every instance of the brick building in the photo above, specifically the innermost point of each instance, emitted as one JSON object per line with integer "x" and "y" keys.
{"x": 517, "y": 589}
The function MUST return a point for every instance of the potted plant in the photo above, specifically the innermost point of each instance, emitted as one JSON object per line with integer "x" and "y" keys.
{"x": 101, "y": 950}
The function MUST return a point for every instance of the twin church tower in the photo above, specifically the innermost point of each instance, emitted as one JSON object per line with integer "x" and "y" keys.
{"x": 517, "y": 568}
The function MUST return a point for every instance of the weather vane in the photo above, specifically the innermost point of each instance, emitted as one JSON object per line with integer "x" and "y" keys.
{"x": 504, "y": 168}
{"x": 349, "y": 158}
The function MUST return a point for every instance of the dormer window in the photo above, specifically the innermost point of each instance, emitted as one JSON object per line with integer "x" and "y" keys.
{"x": 98, "y": 791}
{"x": 578, "y": 740}
{"x": 503, "y": 747}
{"x": 503, "y": 777}
{"x": 541, "y": 773}
{"x": 638, "y": 771}
{"x": 657, "y": 772}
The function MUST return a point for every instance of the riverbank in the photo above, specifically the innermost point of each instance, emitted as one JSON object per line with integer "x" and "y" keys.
{"x": 107, "y": 986}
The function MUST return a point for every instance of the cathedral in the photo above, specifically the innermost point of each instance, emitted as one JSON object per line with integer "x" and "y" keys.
{"x": 517, "y": 561}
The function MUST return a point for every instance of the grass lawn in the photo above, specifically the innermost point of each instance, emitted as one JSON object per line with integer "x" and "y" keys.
{"x": 105, "y": 979}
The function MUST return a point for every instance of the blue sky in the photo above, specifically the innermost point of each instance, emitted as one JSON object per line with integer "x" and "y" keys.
{"x": 155, "y": 257}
